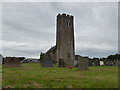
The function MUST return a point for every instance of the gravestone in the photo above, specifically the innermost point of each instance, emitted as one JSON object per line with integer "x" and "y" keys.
{"x": 12, "y": 62}
{"x": 117, "y": 63}
{"x": 83, "y": 63}
{"x": 105, "y": 62}
{"x": 46, "y": 61}
{"x": 96, "y": 62}
{"x": 101, "y": 63}
{"x": 90, "y": 63}
{"x": 108, "y": 63}
{"x": 61, "y": 63}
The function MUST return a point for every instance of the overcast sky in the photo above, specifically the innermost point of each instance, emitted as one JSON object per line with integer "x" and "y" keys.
{"x": 30, "y": 28}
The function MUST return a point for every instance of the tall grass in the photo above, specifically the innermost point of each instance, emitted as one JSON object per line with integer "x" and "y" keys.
{"x": 33, "y": 76}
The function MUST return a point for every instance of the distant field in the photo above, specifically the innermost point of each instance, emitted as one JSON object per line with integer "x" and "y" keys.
{"x": 34, "y": 76}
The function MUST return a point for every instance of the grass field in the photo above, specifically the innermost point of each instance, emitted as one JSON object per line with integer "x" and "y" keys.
{"x": 33, "y": 76}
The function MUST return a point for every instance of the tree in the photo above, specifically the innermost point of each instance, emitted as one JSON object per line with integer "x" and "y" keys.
{"x": 114, "y": 57}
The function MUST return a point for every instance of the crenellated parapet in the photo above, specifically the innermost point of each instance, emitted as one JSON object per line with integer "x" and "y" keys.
{"x": 64, "y": 16}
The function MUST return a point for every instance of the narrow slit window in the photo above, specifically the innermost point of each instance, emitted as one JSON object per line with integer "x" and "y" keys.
{"x": 68, "y": 23}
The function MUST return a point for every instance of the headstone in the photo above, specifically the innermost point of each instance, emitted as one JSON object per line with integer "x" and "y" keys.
{"x": 105, "y": 62}
{"x": 101, "y": 63}
{"x": 90, "y": 63}
{"x": 96, "y": 62}
{"x": 108, "y": 63}
{"x": 46, "y": 62}
{"x": 12, "y": 62}
{"x": 83, "y": 63}
{"x": 118, "y": 62}
{"x": 61, "y": 63}
{"x": 114, "y": 64}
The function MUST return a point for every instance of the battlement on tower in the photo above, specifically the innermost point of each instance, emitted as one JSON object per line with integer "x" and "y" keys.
{"x": 64, "y": 16}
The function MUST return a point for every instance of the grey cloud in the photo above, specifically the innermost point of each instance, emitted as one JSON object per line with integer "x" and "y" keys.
{"x": 33, "y": 25}
{"x": 21, "y": 53}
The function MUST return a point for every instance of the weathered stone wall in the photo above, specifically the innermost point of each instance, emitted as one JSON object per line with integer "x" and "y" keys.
{"x": 65, "y": 39}
{"x": 53, "y": 56}
{"x": 12, "y": 62}
{"x": 83, "y": 63}
{"x": 46, "y": 62}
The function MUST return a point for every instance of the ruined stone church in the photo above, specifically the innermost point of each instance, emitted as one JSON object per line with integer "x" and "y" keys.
{"x": 64, "y": 51}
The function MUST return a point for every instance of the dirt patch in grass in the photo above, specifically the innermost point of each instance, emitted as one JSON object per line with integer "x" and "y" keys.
{"x": 59, "y": 80}
{"x": 9, "y": 86}
{"x": 35, "y": 85}
{"x": 69, "y": 86}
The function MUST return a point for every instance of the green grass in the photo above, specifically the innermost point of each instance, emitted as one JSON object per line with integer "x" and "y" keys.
{"x": 0, "y": 75}
{"x": 34, "y": 76}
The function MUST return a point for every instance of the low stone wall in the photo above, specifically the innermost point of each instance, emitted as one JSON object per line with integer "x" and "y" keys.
{"x": 12, "y": 62}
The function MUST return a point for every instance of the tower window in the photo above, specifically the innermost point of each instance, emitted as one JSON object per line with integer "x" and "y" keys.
{"x": 68, "y": 23}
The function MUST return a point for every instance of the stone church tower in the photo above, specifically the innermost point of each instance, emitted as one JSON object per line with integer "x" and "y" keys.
{"x": 65, "y": 51}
